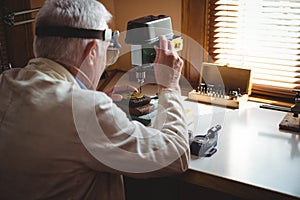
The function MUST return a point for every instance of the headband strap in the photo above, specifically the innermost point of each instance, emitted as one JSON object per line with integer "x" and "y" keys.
{"x": 70, "y": 32}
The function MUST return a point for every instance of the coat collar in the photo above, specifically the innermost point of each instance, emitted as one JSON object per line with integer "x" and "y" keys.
{"x": 52, "y": 69}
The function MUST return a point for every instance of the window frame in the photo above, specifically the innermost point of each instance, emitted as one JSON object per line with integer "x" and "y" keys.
{"x": 258, "y": 96}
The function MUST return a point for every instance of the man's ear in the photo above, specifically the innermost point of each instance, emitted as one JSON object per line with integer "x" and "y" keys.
{"x": 90, "y": 51}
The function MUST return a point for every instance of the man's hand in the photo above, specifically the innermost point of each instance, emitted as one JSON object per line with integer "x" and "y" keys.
{"x": 167, "y": 65}
{"x": 114, "y": 93}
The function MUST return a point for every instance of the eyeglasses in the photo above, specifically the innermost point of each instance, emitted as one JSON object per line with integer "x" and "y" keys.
{"x": 113, "y": 50}
{"x": 71, "y": 32}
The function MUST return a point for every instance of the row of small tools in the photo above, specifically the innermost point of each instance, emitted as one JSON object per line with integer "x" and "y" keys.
{"x": 219, "y": 91}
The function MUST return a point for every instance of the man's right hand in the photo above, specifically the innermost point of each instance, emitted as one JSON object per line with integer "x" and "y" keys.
{"x": 167, "y": 65}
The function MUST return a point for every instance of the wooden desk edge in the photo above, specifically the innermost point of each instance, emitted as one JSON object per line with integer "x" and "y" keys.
{"x": 232, "y": 187}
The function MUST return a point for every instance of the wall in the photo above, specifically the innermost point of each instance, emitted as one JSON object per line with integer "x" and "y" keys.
{"x": 19, "y": 40}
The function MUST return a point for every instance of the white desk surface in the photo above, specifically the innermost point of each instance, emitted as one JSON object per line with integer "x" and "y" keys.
{"x": 255, "y": 160}
{"x": 251, "y": 149}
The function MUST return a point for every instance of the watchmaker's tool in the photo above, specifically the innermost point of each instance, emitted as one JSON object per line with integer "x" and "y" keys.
{"x": 204, "y": 145}
{"x": 137, "y": 106}
{"x": 223, "y": 86}
{"x": 143, "y": 34}
{"x": 291, "y": 121}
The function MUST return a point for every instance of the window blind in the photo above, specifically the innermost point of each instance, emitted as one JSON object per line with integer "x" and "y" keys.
{"x": 261, "y": 35}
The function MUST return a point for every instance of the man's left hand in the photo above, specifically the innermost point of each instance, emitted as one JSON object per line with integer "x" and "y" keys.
{"x": 115, "y": 95}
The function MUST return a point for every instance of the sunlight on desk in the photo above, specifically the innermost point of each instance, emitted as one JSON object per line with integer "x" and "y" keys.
{"x": 252, "y": 151}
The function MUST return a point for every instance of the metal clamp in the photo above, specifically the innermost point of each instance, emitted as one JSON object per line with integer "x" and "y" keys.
{"x": 295, "y": 109}
{"x": 204, "y": 145}
{"x": 9, "y": 19}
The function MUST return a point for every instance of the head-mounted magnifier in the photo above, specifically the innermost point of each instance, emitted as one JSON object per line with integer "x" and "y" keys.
{"x": 71, "y": 32}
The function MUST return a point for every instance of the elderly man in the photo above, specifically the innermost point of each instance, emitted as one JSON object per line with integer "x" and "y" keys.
{"x": 62, "y": 139}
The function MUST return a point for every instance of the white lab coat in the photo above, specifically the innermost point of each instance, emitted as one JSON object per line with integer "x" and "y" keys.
{"x": 59, "y": 141}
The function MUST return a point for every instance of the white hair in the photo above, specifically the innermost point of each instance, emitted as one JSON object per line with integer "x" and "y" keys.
{"x": 88, "y": 14}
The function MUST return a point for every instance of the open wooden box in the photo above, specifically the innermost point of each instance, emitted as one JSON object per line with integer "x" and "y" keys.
{"x": 225, "y": 80}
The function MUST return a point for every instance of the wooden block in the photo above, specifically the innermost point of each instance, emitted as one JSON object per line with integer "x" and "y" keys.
{"x": 289, "y": 122}
{"x": 136, "y": 111}
{"x": 229, "y": 103}
{"x": 141, "y": 110}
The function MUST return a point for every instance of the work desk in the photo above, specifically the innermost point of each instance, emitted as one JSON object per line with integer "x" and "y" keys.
{"x": 255, "y": 160}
